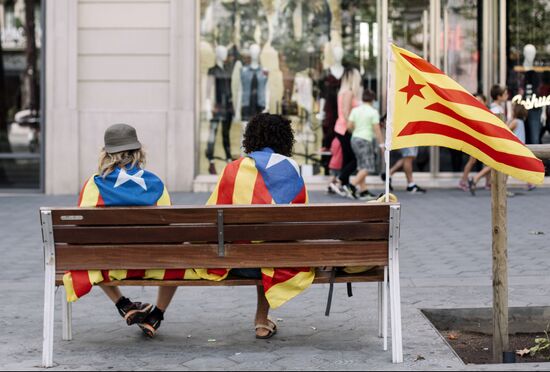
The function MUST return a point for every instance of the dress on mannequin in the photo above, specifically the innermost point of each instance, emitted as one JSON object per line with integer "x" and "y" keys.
{"x": 222, "y": 111}
{"x": 253, "y": 93}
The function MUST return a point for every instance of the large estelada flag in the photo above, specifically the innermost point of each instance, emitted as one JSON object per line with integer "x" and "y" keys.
{"x": 265, "y": 177}
{"x": 126, "y": 187}
{"x": 428, "y": 108}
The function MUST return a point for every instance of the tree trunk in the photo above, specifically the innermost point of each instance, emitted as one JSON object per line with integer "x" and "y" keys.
{"x": 30, "y": 52}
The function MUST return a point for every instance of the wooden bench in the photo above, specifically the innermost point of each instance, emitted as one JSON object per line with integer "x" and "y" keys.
{"x": 317, "y": 235}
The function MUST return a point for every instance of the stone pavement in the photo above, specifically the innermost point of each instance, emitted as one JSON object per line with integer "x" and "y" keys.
{"x": 445, "y": 263}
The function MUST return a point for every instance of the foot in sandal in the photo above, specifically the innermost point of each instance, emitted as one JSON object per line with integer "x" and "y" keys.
{"x": 151, "y": 323}
{"x": 133, "y": 312}
{"x": 266, "y": 330}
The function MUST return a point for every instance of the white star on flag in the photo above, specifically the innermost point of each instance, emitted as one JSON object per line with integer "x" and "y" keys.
{"x": 277, "y": 158}
{"x": 124, "y": 177}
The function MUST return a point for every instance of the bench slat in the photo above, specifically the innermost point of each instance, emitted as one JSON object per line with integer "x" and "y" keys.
{"x": 233, "y": 214}
{"x": 374, "y": 275}
{"x": 209, "y": 232}
{"x": 182, "y": 256}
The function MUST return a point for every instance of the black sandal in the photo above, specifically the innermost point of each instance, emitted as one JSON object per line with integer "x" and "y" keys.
{"x": 151, "y": 323}
{"x": 133, "y": 312}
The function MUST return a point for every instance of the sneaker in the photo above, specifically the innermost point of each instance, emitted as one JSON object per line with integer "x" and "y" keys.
{"x": 415, "y": 189}
{"x": 337, "y": 189}
{"x": 383, "y": 176}
{"x": 472, "y": 186}
{"x": 133, "y": 312}
{"x": 330, "y": 190}
{"x": 531, "y": 187}
{"x": 151, "y": 323}
{"x": 510, "y": 194}
{"x": 367, "y": 195}
{"x": 350, "y": 190}
{"x": 463, "y": 185}
{"x": 212, "y": 168}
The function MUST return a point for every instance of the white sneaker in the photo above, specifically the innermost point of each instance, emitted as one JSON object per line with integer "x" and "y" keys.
{"x": 337, "y": 189}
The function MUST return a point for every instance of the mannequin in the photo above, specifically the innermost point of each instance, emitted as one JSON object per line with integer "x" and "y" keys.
{"x": 218, "y": 92}
{"x": 530, "y": 86}
{"x": 253, "y": 92}
{"x": 329, "y": 85}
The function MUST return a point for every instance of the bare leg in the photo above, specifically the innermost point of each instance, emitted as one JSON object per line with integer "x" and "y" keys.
{"x": 262, "y": 311}
{"x": 165, "y": 296}
{"x": 112, "y": 292}
{"x": 468, "y": 168}
{"x": 483, "y": 173}
{"x": 398, "y": 164}
{"x": 408, "y": 168}
{"x": 359, "y": 181}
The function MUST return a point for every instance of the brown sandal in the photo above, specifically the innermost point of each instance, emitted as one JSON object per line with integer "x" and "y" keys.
{"x": 271, "y": 328}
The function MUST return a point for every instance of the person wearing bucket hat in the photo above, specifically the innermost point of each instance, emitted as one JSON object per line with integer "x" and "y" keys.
{"x": 122, "y": 181}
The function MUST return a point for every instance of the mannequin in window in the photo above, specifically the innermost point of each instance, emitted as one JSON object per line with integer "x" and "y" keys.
{"x": 531, "y": 81}
{"x": 218, "y": 92}
{"x": 329, "y": 85}
{"x": 253, "y": 92}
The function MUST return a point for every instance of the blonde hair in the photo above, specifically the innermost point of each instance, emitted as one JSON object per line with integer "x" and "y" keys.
{"x": 351, "y": 81}
{"x": 109, "y": 162}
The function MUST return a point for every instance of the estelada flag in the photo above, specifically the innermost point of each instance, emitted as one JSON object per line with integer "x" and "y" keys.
{"x": 428, "y": 108}
{"x": 265, "y": 177}
{"x": 127, "y": 187}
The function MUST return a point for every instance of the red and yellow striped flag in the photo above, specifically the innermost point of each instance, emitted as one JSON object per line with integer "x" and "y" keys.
{"x": 264, "y": 177}
{"x": 428, "y": 108}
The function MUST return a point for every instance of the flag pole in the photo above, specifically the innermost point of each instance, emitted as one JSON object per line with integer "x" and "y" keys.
{"x": 389, "y": 102}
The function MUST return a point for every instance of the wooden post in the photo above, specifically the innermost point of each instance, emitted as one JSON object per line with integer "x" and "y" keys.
{"x": 500, "y": 265}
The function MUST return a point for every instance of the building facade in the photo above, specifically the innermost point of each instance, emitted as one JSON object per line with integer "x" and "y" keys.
{"x": 189, "y": 74}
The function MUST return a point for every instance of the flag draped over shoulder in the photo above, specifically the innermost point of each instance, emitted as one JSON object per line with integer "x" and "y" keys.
{"x": 428, "y": 108}
{"x": 265, "y": 177}
{"x": 126, "y": 187}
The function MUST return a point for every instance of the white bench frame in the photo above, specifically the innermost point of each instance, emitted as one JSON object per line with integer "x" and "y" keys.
{"x": 390, "y": 283}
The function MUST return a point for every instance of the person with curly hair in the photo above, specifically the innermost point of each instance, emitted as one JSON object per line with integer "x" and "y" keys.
{"x": 266, "y": 175}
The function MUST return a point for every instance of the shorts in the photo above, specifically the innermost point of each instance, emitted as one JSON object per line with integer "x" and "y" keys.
{"x": 364, "y": 153}
{"x": 248, "y": 273}
{"x": 409, "y": 151}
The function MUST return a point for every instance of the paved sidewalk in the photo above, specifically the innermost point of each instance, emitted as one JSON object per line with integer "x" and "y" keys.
{"x": 445, "y": 263}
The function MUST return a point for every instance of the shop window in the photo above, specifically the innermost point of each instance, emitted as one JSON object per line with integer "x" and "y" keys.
{"x": 20, "y": 145}
{"x": 276, "y": 56}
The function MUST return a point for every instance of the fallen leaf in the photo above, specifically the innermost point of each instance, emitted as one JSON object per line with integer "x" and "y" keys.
{"x": 313, "y": 328}
{"x": 419, "y": 357}
{"x": 452, "y": 336}
{"x": 522, "y": 352}
{"x": 211, "y": 340}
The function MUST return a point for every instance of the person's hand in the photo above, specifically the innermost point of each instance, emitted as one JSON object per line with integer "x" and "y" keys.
{"x": 382, "y": 147}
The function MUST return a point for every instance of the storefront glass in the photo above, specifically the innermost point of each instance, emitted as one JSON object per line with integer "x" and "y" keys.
{"x": 528, "y": 62}
{"x": 408, "y": 24}
{"x": 275, "y": 55}
{"x": 20, "y": 145}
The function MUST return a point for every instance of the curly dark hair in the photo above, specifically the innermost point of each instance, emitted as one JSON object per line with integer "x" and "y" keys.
{"x": 267, "y": 130}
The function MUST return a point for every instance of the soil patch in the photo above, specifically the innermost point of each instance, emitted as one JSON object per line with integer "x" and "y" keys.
{"x": 476, "y": 348}
{"x": 469, "y": 331}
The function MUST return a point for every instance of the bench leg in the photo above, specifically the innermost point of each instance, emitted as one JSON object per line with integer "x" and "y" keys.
{"x": 67, "y": 310}
{"x": 395, "y": 309}
{"x": 385, "y": 308}
{"x": 380, "y": 321}
{"x": 49, "y": 309}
